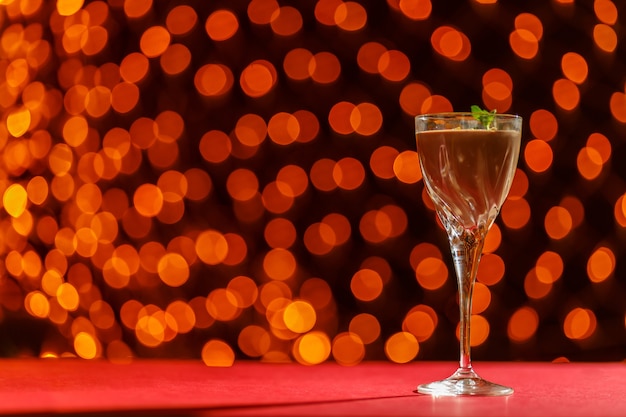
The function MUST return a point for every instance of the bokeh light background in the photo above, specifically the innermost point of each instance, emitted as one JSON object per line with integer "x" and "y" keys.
{"x": 238, "y": 179}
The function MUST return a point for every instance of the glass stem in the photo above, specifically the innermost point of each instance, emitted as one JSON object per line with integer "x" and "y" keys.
{"x": 466, "y": 250}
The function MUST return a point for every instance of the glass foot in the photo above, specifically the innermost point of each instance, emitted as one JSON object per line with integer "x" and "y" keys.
{"x": 463, "y": 382}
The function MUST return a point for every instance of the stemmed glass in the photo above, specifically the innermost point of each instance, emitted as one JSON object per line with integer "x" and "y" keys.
{"x": 468, "y": 163}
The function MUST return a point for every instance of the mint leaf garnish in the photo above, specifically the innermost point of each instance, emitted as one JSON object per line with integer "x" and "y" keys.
{"x": 483, "y": 116}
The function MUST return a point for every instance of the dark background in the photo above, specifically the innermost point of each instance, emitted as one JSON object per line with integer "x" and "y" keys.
{"x": 566, "y": 28}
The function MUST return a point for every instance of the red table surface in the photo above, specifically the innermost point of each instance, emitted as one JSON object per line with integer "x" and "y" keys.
{"x": 189, "y": 388}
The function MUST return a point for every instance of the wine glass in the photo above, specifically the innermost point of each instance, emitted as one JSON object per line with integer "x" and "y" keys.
{"x": 468, "y": 162}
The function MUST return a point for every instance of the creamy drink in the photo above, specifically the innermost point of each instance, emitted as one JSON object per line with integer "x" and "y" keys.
{"x": 468, "y": 173}
{"x": 468, "y": 161}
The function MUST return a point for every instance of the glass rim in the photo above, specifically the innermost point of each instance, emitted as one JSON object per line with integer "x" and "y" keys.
{"x": 450, "y": 114}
